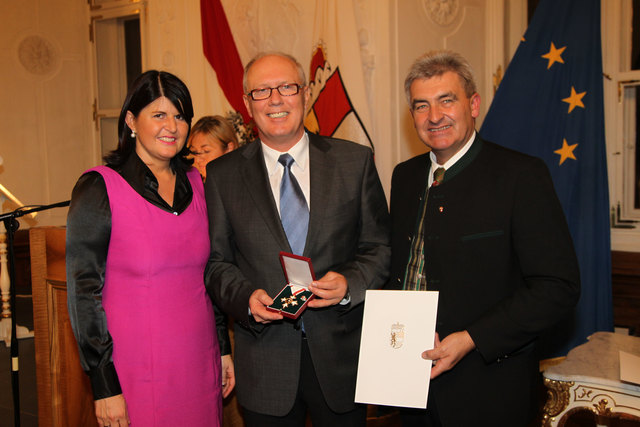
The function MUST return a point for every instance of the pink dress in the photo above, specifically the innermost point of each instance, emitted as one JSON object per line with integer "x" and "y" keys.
{"x": 165, "y": 347}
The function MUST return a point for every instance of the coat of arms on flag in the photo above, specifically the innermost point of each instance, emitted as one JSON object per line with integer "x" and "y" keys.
{"x": 331, "y": 112}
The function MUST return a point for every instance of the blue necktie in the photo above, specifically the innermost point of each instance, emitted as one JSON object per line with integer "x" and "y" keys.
{"x": 294, "y": 212}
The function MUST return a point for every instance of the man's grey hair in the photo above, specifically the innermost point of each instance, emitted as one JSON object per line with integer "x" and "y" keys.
{"x": 436, "y": 63}
{"x": 261, "y": 55}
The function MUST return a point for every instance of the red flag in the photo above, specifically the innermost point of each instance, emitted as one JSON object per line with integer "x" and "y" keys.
{"x": 220, "y": 50}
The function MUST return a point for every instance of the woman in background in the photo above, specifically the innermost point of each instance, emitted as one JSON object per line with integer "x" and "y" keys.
{"x": 211, "y": 137}
{"x": 137, "y": 245}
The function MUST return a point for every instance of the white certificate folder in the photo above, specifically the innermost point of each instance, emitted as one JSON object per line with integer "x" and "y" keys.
{"x": 397, "y": 327}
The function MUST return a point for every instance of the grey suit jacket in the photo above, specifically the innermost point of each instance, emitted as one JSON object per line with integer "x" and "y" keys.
{"x": 348, "y": 233}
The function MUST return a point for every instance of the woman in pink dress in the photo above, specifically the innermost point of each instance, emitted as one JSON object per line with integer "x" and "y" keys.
{"x": 137, "y": 245}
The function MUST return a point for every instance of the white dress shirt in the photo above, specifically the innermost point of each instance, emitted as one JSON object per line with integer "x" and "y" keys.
{"x": 452, "y": 161}
{"x": 299, "y": 169}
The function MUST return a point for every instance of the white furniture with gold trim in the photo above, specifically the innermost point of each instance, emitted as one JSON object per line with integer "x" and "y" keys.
{"x": 589, "y": 379}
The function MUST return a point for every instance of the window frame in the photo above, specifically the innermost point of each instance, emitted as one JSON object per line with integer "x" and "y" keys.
{"x": 617, "y": 78}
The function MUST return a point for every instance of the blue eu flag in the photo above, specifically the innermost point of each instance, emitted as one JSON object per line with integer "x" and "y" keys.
{"x": 550, "y": 105}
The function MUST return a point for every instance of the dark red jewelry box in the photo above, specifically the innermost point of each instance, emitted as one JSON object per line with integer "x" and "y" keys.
{"x": 294, "y": 297}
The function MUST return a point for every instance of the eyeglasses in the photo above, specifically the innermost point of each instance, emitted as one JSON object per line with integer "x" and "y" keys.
{"x": 286, "y": 89}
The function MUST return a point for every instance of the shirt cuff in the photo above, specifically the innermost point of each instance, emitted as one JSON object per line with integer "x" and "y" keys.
{"x": 347, "y": 298}
{"x": 104, "y": 382}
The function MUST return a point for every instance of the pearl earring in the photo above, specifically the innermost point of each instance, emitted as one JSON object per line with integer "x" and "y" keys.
{"x": 133, "y": 134}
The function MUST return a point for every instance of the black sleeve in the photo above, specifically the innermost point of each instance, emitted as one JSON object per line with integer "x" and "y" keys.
{"x": 88, "y": 234}
{"x": 546, "y": 258}
{"x": 222, "y": 330}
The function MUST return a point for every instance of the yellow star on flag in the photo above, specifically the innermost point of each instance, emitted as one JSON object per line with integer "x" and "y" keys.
{"x": 566, "y": 152}
{"x": 575, "y": 100}
{"x": 554, "y": 55}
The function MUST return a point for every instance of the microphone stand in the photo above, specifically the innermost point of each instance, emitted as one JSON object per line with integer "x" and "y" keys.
{"x": 11, "y": 225}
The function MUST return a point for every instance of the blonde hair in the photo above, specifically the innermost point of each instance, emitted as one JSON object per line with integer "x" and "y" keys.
{"x": 216, "y": 126}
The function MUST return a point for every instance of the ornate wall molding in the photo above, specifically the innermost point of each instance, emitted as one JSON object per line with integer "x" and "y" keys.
{"x": 38, "y": 55}
{"x": 441, "y": 12}
{"x": 363, "y": 19}
{"x": 168, "y": 21}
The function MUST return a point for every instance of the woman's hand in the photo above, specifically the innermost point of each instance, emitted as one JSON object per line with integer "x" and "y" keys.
{"x": 112, "y": 411}
{"x": 228, "y": 375}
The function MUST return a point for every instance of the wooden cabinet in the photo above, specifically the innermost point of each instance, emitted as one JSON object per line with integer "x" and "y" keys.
{"x": 625, "y": 273}
{"x": 64, "y": 391}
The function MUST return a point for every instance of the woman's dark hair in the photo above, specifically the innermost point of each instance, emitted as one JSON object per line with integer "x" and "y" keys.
{"x": 145, "y": 89}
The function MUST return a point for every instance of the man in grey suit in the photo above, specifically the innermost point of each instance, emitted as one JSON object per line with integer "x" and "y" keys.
{"x": 285, "y": 368}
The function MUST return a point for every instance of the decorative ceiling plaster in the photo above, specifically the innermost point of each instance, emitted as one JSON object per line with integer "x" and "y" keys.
{"x": 38, "y": 55}
{"x": 441, "y": 12}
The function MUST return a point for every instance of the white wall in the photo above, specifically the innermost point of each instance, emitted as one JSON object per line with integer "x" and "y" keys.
{"x": 392, "y": 32}
{"x": 49, "y": 138}
{"x": 46, "y": 111}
